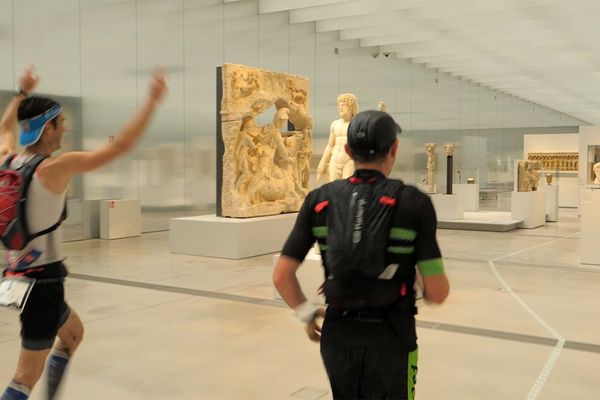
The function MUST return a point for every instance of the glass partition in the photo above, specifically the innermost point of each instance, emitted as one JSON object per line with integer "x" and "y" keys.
{"x": 100, "y": 70}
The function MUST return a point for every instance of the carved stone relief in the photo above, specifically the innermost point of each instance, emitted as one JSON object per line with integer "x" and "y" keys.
{"x": 556, "y": 161}
{"x": 529, "y": 175}
{"x": 265, "y": 167}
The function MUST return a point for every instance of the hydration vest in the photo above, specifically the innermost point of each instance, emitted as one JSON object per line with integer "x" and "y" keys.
{"x": 14, "y": 187}
{"x": 353, "y": 221}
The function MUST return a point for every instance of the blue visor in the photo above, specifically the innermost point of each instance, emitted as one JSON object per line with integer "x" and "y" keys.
{"x": 32, "y": 128}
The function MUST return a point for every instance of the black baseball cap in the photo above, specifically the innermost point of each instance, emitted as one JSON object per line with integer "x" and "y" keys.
{"x": 372, "y": 132}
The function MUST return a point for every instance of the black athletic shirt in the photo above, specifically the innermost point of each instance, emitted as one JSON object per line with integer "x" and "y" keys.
{"x": 412, "y": 242}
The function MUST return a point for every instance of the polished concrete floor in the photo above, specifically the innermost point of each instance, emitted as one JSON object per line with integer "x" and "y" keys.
{"x": 522, "y": 322}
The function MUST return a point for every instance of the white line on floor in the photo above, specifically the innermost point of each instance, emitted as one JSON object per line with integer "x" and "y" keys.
{"x": 543, "y": 376}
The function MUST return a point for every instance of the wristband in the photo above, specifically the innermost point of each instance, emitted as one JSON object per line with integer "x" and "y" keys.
{"x": 306, "y": 311}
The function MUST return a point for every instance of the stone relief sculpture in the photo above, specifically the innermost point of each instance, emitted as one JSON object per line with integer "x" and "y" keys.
{"x": 596, "y": 169}
{"x": 562, "y": 161}
{"x": 449, "y": 151}
{"x": 529, "y": 175}
{"x": 430, "y": 148}
{"x": 335, "y": 163}
{"x": 265, "y": 167}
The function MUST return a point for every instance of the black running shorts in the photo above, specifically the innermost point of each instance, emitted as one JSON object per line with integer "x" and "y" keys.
{"x": 44, "y": 313}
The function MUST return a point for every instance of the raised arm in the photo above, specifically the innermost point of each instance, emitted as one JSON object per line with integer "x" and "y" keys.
{"x": 75, "y": 162}
{"x": 27, "y": 82}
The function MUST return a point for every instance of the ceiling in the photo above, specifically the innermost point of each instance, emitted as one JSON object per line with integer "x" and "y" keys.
{"x": 544, "y": 51}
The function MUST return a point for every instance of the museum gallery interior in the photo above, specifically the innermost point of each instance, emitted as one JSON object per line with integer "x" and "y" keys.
{"x": 171, "y": 248}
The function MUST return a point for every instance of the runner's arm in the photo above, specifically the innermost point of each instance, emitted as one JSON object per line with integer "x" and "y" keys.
{"x": 295, "y": 249}
{"x": 76, "y": 162}
{"x": 429, "y": 258}
{"x": 8, "y": 123}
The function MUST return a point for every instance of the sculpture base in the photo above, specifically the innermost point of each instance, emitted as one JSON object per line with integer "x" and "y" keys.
{"x": 120, "y": 219}
{"x": 448, "y": 206}
{"x": 310, "y": 275}
{"x": 529, "y": 207}
{"x": 590, "y": 221}
{"x": 235, "y": 238}
{"x": 551, "y": 192}
{"x": 491, "y": 221}
{"x": 470, "y": 195}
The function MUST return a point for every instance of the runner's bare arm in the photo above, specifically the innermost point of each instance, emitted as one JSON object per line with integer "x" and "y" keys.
{"x": 75, "y": 162}
{"x": 8, "y": 123}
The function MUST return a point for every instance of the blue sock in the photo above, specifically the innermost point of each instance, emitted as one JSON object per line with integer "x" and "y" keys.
{"x": 57, "y": 364}
{"x": 16, "y": 391}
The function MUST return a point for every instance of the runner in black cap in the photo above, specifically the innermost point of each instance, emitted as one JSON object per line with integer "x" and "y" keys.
{"x": 372, "y": 231}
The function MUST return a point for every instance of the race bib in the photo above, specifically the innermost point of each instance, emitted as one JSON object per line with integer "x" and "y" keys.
{"x": 15, "y": 291}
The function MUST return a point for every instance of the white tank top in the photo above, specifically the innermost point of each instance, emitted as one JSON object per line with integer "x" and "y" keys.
{"x": 44, "y": 208}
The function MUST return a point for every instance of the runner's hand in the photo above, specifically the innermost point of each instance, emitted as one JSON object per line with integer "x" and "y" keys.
{"x": 158, "y": 86}
{"x": 313, "y": 328}
{"x": 29, "y": 79}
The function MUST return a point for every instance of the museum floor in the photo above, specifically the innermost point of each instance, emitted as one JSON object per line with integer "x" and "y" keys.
{"x": 166, "y": 326}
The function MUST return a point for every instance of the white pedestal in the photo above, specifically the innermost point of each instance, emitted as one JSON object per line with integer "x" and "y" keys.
{"x": 310, "y": 275}
{"x": 470, "y": 195}
{"x": 590, "y": 223}
{"x": 74, "y": 212}
{"x": 212, "y": 236}
{"x": 120, "y": 219}
{"x": 529, "y": 207}
{"x": 551, "y": 192}
{"x": 448, "y": 206}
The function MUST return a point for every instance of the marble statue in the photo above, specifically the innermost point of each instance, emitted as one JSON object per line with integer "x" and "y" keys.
{"x": 381, "y": 106}
{"x": 528, "y": 175}
{"x": 596, "y": 169}
{"x": 430, "y": 148}
{"x": 335, "y": 162}
{"x": 265, "y": 167}
{"x": 449, "y": 151}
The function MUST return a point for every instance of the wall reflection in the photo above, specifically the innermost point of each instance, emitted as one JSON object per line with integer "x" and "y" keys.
{"x": 99, "y": 72}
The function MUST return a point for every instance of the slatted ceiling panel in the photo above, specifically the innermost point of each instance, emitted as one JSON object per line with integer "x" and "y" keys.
{"x": 270, "y": 6}
{"x": 545, "y": 51}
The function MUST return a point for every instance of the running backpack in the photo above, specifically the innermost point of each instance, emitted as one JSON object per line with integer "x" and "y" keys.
{"x": 14, "y": 185}
{"x": 359, "y": 270}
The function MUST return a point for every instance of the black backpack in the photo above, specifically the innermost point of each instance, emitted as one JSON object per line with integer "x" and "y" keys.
{"x": 14, "y": 186}
{"x": 354, "y": 250}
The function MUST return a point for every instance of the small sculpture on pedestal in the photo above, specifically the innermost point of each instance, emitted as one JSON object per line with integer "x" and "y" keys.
{"x": 449, "y": 150}
{"x": 430, "y": 148}
{"x": 549, "y": 179}
{"x": 335, "y": 162}
{"x": 528, "y": 176}
{"x": 381, "y": 106}
{"x": 596, "y": 169}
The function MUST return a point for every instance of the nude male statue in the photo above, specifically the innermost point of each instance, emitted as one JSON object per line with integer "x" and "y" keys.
{"x": 335, "y": 163}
